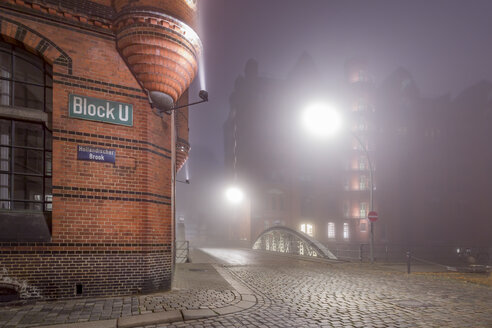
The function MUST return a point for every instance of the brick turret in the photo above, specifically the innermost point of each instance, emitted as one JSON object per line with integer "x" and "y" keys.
{"x": 158, "y": 42}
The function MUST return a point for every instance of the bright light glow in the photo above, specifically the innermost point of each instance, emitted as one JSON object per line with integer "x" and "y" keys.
{"x": 234, "y": 195}
{"x": 307, "y": 229}
{"x": 345, "y": 230}
{"x": 331, "y": 230}
{"x": 321, "y": 120}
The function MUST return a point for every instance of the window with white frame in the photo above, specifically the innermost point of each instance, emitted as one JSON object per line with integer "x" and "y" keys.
{"x": 363, "y": 227}
{"x": 345, "y": 230}
{"x": 331, "y": 230}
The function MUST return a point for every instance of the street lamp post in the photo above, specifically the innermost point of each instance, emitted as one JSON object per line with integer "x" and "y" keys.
{"x": 324, "y": 121}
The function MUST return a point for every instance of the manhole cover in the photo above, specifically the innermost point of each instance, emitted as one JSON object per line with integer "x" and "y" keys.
{"x": 198, "y": 270}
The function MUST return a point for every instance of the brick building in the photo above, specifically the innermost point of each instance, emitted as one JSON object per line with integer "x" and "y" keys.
{"x": 429, "y": 157}
{"x": 87, "y": 159}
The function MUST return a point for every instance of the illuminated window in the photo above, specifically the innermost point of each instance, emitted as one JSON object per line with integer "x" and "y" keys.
{"x": 307, "y": 229}
{"x": 345, "y": 231}
{"x": 363, "y": 210}
{"x": 331, "y": 230}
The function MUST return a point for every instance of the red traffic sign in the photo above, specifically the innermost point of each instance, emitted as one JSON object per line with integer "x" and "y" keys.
{"x": 373, "y": 216}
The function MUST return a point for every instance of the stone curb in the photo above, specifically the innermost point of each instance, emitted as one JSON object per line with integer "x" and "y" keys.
{"x": 150, "y": 319}
{"x": 248, "y": 299}
{"x": 88, "y": 324}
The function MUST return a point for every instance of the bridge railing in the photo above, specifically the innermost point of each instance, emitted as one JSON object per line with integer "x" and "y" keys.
{"x": 285, "y": 240}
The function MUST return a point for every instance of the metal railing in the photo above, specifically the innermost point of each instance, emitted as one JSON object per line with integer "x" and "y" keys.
{"x": 182, "y": 251}
{"x": 440, "y": 254}
{"x": 285, "y": 240}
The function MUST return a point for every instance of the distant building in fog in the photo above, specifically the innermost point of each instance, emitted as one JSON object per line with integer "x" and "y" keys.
{"x": 430, "y": 159}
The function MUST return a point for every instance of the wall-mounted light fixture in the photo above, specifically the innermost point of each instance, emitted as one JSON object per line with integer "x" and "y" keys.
{"x": 164, "y": 106}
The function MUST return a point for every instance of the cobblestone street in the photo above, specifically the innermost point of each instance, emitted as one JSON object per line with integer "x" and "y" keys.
{"x": 295, "y": 293}
{"x": 243, "y": 288}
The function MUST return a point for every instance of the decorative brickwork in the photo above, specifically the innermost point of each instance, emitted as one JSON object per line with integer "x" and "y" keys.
{"x": 53, "y": 270}
{"x": 161, "y": 50}
{"x": 112, "y": 227}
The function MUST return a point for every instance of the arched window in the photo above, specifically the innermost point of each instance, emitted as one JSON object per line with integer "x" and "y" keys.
{"x": 26, "y": 102}
{"x": 26, "y": 80}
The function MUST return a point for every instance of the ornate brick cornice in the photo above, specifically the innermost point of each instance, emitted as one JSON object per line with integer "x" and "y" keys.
{"x": 58, "y": 9}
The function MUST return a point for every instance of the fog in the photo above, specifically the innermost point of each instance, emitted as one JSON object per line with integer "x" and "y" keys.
{"x": 429, "y": 68}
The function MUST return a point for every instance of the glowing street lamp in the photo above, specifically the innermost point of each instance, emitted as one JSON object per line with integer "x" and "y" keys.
{"x": 323, "y": 120}
{"x": 234, "y": 195}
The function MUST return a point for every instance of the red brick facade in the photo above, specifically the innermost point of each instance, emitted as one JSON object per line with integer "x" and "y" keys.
{"x": 112, "y": 224}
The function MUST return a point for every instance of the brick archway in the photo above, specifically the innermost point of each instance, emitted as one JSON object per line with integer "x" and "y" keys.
{"x": 15, "y": 32}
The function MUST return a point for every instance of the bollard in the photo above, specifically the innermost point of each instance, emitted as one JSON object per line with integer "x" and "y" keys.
{"x": 409, "y": 259}
{"x": 361, "y": 246}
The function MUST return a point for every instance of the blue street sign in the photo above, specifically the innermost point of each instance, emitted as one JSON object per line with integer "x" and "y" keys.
{"x": 88, "y": 153}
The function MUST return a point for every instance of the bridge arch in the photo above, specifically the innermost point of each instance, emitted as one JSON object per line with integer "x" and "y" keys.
{"x": 285, "y": 240}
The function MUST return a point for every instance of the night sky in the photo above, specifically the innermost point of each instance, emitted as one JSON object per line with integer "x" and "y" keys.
{"x": 444, "y": 44}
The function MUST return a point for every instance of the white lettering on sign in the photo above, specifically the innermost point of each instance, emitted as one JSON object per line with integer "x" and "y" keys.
{"x": 96, "y": 157}
{"x": 109, "y": 112}
{"x": 77, "y": 105}
{"x": 124, "y": 119}
{"x": 101, "y": 110}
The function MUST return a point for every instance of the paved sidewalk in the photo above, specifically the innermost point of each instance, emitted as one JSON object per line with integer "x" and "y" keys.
{"x": 200, "y": 289}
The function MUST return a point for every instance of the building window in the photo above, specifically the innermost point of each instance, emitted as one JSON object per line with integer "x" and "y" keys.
{"x": 346, "y": 210}
{"x": 363, "y": 227}
{"x": 25, "y": 166}
{"x": 345, "y": 231}
{"x": 307, "y": 229}
{"x": 25, "y": 80}
{"x": 331, "y": 230}
{"x": 362, "y": 164}
{"x": 363, "y": 210}
{"x": 362, "y": 182}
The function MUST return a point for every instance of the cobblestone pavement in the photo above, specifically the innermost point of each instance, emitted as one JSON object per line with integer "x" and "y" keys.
{"x": 308, "y": 294}
{"x": 198, "y": 286}
{"x": 287, "y": 293}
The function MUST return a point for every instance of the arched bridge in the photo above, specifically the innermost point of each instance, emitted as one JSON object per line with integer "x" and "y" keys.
{"x": 285, "y": 240}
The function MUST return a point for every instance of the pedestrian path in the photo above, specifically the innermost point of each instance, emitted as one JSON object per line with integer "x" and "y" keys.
{"x": 200, "y": 289}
